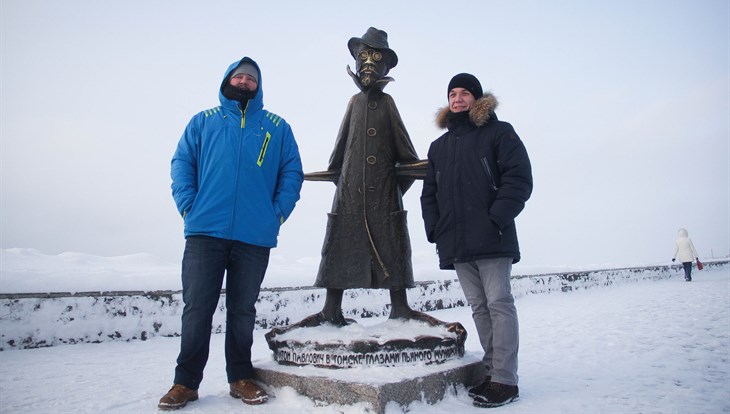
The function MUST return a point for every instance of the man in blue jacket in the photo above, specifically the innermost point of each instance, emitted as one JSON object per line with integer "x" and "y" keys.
{"x": 236, "y": 177}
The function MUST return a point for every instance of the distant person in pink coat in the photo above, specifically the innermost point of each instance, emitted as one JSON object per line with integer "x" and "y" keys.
{"x": 686, "y": 253}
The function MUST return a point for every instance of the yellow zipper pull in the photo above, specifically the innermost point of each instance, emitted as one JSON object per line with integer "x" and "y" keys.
{"x": 243, "y": 115}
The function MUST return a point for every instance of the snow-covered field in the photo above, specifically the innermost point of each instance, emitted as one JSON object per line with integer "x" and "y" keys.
{"x": 645, "y": 347}
{"x": 30, "y": 270}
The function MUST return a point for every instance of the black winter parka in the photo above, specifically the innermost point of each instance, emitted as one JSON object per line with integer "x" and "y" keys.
{"x": 477, "y": 181}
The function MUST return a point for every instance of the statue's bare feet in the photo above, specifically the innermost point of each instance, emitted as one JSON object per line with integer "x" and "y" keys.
{"x": 456, "y": 328}
{"x": 411, "y": 314}
{"x": 321, "y": 318}
{"x": 311, "y": 321}
{"x": 339, "y": 320}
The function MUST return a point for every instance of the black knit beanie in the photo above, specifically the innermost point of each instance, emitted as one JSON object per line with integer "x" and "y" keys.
{"x": 468, "y": 82}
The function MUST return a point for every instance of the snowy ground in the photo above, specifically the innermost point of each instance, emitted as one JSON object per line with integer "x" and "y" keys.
{"x": 646, "y": 347}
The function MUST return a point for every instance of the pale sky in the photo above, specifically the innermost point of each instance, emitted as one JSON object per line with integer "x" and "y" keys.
{"x": 624, "y": 108}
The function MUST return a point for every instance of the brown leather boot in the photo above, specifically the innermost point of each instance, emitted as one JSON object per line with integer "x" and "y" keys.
{"x": 177, "y": 397}
{"x": 249, "y": 392}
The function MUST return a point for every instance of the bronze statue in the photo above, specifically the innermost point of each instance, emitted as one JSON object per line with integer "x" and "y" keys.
{"x": 366, "y": 242}
{"x": 373, "y": 164}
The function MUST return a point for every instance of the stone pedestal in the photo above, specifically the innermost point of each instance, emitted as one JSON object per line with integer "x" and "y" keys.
{"x": 393, "y": 343}
{"x": 376, "y": 386}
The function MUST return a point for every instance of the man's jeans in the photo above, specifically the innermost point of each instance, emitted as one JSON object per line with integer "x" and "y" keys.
{"x": 205, "y": 262}
{"x": 486, "y": 286}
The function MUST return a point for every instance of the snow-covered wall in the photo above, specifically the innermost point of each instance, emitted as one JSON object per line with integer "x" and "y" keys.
{"x": 40, "y": 320}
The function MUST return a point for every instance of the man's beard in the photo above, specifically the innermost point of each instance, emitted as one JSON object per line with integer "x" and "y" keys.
{"x": 237, "y": 94}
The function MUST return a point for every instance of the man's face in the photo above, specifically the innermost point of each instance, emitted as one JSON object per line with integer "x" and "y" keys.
{"x": 244, "y": 82}
{"x": 460, "y": 100}
{"x": 371, "y": 65}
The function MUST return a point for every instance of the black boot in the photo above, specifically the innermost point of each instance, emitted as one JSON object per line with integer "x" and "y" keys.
{"x": 480, "y": 388}
{"x": 496, "y": 395}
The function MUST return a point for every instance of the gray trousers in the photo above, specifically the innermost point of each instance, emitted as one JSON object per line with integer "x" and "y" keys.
{"x": 486, "y": 286}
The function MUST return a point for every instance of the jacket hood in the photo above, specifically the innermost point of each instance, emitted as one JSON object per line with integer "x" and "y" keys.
{"x": 682, "y": 233}
{"x": 257, "y": 102}
{"x": 479, "y": 115}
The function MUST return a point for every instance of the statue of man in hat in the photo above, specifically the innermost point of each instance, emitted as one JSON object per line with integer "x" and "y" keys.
{"x": 366, "y": 243}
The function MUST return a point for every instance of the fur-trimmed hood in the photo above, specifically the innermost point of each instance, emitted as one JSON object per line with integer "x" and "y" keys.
{"x": 479, "y": 115}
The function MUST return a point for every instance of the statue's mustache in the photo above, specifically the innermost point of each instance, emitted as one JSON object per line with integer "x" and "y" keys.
{"x": 369, "y": 69}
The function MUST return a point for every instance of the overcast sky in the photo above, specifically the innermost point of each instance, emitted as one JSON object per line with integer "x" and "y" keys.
{"x": 624, "y": 107}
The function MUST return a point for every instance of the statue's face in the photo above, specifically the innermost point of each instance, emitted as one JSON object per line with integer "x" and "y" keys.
{"x": 371, "y": 65}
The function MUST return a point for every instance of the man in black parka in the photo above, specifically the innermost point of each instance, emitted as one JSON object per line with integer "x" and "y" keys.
{"x": 478, "y": 180}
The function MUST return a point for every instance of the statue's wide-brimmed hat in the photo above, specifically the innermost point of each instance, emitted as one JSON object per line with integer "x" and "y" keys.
{"x": 376, "y": 39}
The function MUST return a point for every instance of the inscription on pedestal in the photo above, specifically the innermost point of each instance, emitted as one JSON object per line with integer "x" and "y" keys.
{"x": 392, "y": 358}
{"x": 392, "y": 343}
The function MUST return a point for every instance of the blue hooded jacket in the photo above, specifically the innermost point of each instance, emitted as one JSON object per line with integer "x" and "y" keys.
{"x": 236, "y": 173}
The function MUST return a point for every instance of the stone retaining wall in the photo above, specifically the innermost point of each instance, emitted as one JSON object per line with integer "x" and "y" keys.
{"x": 40, "y": 320}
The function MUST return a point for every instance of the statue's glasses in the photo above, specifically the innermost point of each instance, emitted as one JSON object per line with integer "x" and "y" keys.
{"x": 370, "y": 55}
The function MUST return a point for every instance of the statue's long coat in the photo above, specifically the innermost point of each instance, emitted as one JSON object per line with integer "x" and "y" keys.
{"x": 366, "y": 243}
